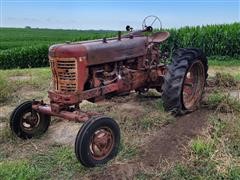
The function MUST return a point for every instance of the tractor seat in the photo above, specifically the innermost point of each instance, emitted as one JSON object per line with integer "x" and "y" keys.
{"x": 159, "y": 37}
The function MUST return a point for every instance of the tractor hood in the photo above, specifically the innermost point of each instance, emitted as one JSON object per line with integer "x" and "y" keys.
{"x": 99, "y": 51}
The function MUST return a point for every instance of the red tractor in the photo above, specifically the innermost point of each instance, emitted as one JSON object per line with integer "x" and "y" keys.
{"x": 92, "y": 70}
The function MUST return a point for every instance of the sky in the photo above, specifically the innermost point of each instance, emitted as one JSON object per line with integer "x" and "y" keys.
{"x": 115, "y": 15}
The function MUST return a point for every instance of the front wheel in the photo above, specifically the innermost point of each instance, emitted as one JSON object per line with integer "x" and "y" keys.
{"x": 27, "y": 123}
{"x": 185, "y": 80}
{"x": 97, "y": 141}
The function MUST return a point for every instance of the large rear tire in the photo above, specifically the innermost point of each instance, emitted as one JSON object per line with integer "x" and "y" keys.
{"x": 185, "y": 81}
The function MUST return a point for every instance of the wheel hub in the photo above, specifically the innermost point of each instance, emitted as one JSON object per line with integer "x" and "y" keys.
{"x": 101, "y": 143}
{"x": 193, "y": 85}
{"x": 29, "y": 121}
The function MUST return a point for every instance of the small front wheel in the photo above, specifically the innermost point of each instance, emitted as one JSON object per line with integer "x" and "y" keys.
{"x": 97, "y": 141}
{"x": 27, "y": 123}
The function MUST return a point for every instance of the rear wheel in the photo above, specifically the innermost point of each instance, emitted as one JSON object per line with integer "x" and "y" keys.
{"x": 27, "y": 123}
{"x": 185, "y": 80}
{"x": 97, "y": 141}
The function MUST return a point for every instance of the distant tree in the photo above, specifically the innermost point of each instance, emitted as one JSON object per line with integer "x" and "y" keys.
{"x": 27, "y": 27}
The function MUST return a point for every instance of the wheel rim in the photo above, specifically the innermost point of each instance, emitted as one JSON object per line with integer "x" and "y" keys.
{"x": 29, "y": 120}
{"x": 101, "y": 143}
{"x": 193, "y": 85}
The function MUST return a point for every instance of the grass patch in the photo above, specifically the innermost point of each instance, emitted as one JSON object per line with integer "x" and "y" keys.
{"x": 202, "y": 147}
{"x": 223, "y": 102}
{"x": 234, "y": 172}
{"x": 59, "y": 162}
{"x": 225, "y": 80}
{"x": 155, "y": 116}
{"x": 232, "y": 134}
{"x": 159, "y": 105}
{"x": 154, "y": 120}
{"x": 202, "y": 169}
{"x": 38, "y": 78}
{"x": 5, "y": 89}
{"x": 144, "y": 176}
{"x": 225, "y": 66}
{"x": 218, "y": 126}
{"x": 215, "y": 98}
{"x": 20, "y": 169}
{"x": 5, "y": 134}
{"x": 223, "y": 61}
{"x": 234, "y": 146}
{"x": 2, "y": 156}
{"x": 151, "y": 93}
{"x": 12, "y": 81}
{"x": 227, "y": 130}
{"x": 127, "y": 151}
{"x": 237, "y": 77}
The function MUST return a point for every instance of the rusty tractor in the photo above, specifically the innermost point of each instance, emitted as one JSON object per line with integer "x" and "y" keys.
{"x": 92, "y": 70}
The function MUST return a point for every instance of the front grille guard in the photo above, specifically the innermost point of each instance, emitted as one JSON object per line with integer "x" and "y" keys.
{"x": 64, "y": 74}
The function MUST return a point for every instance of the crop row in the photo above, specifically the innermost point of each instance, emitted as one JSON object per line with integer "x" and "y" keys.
{"x": 33, "y": 56}
{"x": 19, "y": 37}
{"x": 29, "y": 47}
{"x": 220, "y": 40}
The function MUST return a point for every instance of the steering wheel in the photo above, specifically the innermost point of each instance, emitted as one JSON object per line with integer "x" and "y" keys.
{"x": 151, "y": 21}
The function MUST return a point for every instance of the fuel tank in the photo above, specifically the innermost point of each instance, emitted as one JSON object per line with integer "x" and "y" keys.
{"x": 101, "y": 51}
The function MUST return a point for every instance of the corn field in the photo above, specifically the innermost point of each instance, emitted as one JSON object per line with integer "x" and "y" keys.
{"x": 23, "y": 48}
{"x": 214, "y": 40}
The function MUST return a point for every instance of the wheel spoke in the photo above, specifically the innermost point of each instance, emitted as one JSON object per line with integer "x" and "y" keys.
{"x": 154, "y": 21}
{"x": 97, "y": 150}
{"x": 29, "y": 120}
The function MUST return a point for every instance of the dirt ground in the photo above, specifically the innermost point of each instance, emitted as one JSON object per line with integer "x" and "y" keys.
{"x": 163, "y": 147}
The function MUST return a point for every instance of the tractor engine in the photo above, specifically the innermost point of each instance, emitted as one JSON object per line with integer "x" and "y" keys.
{"x": 89, "y": 70}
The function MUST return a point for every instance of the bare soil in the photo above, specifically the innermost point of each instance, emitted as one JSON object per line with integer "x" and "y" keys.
{"x": 168, "y": 144}
{"x": 28, "y": 92}
{"x": 62, "y": 132}
{"x": 235, "y": 94}
{"x": 20, "y": 78}
{"x": 5, "y": 111}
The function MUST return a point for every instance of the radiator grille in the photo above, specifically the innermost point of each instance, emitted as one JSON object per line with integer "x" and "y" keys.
{"x": 66, "y": 75}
